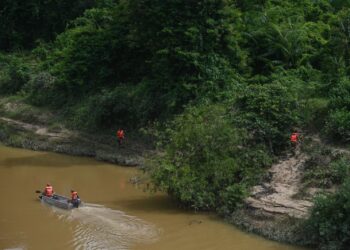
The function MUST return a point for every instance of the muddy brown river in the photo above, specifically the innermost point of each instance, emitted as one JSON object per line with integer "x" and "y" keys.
{"x": 116, "y": 214}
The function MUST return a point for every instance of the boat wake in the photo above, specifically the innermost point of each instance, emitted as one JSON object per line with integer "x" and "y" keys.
{"x": 98, "y": 227}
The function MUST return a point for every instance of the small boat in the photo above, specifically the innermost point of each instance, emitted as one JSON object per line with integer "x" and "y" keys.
{"x": 60, "y": 201}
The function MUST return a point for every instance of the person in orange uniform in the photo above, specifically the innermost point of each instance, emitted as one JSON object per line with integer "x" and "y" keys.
{"x": 120, "y": 136}
{"x": 75, "y": 200}
{"x": 48, "y": 191}
{"x": 294, "y": 140}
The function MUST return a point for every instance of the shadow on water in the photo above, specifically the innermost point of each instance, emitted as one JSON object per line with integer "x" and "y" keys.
{"x": 45, "y": 160}
{"x": 98, "y": 227}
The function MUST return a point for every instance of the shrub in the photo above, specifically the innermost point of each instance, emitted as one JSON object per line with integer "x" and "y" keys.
{"x": 206, "y": 164}
{"x": 338, "y": 125}
{"x": 231, "y": 196}
{"x": 329, "y": 224}
{"x": 41, "y": 90}
{"x": 325, "y": 169}
{"x": 338, "y": 122}
{"x": 314, "y": 113}
{"x": 105, "y": 110}
{"x": 268, "y": 112}
{"x": 15, "y": 72}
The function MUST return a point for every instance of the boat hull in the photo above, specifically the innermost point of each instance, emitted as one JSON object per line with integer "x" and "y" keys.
{"x": 59, "y": 201}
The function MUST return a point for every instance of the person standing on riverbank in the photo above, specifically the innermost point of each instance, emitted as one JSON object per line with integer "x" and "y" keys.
{"x": 120, "y": 136}
{"x": 294, "y": 140}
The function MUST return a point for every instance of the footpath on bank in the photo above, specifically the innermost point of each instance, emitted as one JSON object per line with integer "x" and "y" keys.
{"x": 102, "y": 147}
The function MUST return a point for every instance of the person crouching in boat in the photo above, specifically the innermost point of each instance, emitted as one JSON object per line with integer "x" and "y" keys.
{"x": 48, "y": 191}
{"x": 75, "y": 200}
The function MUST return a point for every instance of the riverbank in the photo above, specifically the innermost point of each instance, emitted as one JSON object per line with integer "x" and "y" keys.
{"x": 27, "y": 127}
{"x": 124, "y": 217}
{"x": 24, "y": 126}
{"x": 277, "y": 227}
{"x": 277, "y": 207}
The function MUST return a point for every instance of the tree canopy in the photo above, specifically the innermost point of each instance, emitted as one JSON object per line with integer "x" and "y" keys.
{"x": 228, "y": 80}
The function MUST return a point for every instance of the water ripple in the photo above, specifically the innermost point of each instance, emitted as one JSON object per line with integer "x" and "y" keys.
{"x": 100, "y": 228}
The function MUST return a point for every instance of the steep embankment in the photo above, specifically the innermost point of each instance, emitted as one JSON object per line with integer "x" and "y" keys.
{"x": 278, "y": 194}
{"x": 274, "y": 208}
{"x": 277, "y": 207}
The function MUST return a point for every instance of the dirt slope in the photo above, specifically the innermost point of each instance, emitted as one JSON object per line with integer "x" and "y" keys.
{"x": 277, "y": 195}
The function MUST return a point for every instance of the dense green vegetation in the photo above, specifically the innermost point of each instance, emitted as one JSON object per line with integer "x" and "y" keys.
{"x": 23, "y": 23}
{"x": 329, "y": 222}
{"x": 227, "y": 80}
{"x": 209, "y": 162}
{"x": 325, "y": 167}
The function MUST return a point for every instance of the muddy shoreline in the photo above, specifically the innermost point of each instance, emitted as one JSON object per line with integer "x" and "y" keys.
{"x": 277, "y": 227}
{"x": 101, "y": 147}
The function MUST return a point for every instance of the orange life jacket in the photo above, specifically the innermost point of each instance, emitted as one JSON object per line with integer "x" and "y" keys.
{"x": 48, "y": 191}
{"x": 120, "y": 134}
{"x": 294, "y": 137}
{"x": 74, "y": 195}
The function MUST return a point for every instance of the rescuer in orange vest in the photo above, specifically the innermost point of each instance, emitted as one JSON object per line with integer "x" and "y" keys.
{"x": 48, "y": 191}
{"x": 294, "y": 140}
{"x": 75, "y": 200}
{"x": 120, "y": 136}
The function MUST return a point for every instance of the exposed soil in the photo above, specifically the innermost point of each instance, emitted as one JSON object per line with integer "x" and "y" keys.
{"x": 278, "y": 194}
{"x": 39, "y": 130}
{"x": 273, "y": 209}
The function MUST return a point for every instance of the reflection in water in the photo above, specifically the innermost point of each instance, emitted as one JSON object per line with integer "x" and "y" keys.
{"x": 98, "y": 227}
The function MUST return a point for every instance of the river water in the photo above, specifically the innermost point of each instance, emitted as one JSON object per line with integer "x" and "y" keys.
{"x": 117, "y": 214}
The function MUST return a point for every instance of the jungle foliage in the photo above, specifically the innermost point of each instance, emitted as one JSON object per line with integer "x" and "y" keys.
{"x": 228, "y": 80}
{"x": 22, "y": 23}
{"x": 330, "y": 219}
{"x": 209, "y": 162}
